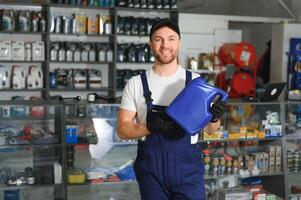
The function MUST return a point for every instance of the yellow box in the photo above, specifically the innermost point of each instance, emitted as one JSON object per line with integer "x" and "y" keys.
{"x": 261, "y": 134}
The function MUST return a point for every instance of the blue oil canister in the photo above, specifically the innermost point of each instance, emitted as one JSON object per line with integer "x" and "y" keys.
{"x": 190, "y": 108}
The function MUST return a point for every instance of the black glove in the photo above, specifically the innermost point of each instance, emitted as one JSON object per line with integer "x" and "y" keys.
{"x": 161, "y": 124}
{"x": 217, "y": 110}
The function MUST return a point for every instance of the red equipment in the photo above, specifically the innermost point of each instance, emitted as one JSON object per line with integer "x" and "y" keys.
{"x": 240, "y": 54}
{"x": 243, "y": 57}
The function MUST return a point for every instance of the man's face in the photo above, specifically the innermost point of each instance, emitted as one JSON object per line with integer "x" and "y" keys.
{"x": 165, "y": 45}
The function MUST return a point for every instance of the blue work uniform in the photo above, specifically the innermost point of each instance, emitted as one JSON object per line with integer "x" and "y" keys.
{"x": 168, "y": 166}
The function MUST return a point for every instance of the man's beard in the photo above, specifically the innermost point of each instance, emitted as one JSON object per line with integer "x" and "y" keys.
{"x": 164, "y": 60}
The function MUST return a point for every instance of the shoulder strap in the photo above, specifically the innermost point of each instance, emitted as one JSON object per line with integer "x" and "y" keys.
{"x": 146, "y": 92}
{"x": 188, "y": 77}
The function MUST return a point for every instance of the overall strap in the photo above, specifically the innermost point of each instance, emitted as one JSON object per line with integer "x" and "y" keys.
{"x": 188, "y": 77}
{"x": 146, "y": 92}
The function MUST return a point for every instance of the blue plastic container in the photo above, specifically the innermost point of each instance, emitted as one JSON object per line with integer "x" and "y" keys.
{"x": 190, "y": 109}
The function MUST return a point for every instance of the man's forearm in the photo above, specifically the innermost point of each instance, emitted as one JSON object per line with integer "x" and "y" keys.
{"x": 131, "y": 130}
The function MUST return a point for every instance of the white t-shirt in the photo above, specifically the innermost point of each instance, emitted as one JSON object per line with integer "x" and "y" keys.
{"x": 164, "y": 90}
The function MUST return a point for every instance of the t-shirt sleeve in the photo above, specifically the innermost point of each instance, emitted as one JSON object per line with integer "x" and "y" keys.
{"x": 128, "y": 96}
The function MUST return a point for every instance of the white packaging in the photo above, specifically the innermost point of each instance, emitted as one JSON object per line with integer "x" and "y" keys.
{"x": 38, "y": 51}
{"x": 35, "y": 77}
{"x": 27, "y": 51}
{"x": 5, "y": 50}
{"x": 4, "y": 77}
{"x": 17, "y": 50}
{"x": 57, "y": 168}
{"x": 18, "y": 76}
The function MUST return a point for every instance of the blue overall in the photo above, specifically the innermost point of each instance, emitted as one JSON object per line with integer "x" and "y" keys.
{"x": 168, "y": 166}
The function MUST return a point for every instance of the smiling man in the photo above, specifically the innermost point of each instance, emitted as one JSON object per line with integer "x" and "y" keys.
{"x": 168, "y": 164}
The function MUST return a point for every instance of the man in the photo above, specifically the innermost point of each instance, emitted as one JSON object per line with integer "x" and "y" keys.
{"x": 168, "y": 164}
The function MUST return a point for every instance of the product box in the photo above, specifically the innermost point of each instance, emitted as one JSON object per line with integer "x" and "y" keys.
{"x": 278, "y": 156}
{"x": 271, "y": 152}
{"x": 38, "y": 51}
{"x": 5, "y": 50}
{"x": 17, "y": 50}
{"x": 235, "y": 194}
{"x": 93, "y": 23}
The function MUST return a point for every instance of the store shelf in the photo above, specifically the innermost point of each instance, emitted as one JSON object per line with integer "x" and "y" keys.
{"x": 79, "y": 90}
{"x": 22, "y": 61}
{"x": 11, "y": 187}
{"x": 22, "y": 90}
{"x": 118, "y": 8}
{"x": 27, "y": 118}
{"x": 259, "y": 175}
{"x": 22, "y": 33}
{"x": 241, "y": 140}
{"x": 72, "y": 62}
{"x": 81, "y": 35}
{"x": 79, "y": 7}
{"x": 103, "y": 183}
{"x": 31, "y": 145}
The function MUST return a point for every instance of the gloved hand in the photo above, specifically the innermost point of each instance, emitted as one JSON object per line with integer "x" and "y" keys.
{"x": 161, "y": 124}
{"x": 217, "y": 110}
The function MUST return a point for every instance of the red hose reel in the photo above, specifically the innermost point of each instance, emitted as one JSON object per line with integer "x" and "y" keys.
{"x": 242, "y": 55}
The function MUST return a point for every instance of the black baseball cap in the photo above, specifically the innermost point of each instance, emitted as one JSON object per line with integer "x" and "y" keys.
{"x": 166, "y": 22}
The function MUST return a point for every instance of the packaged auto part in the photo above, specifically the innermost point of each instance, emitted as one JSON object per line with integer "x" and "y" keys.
{"x": 131, "y": 53}
{"x": 18, "y": 77}
{"x": 136, "y": 3}
{"x": 120, "y": 25}
{"x": 4, "y": 77}
{"x": 52, "y": 24}
{"x": 8, "y": 20}
{"x": 80, "y": 79}
{"x": 134, "y": 26}
{"x": 122, "y": 3}
{"x": 66, "y": 25}
{"x": 108, "y": 25}
{"x": 62, "y": 53}
{"x": 18, "y": 50}
{"x": 34, "y": 23}
{"x": 143, "y": 4}
{"x": 85, "y": 52}
{"x": 142, "y": 27}
{"x": 197, "y": 106}
{"x": 121, "y": 53}
{"x": 81, "y": 24}
{"x": 173, "y": 4}
{"x": 166, "y": 4}
{"x": 109, "y": 54}
{"x": 77, "y": 54}
{"x": 100, "y": 25}
{"x": 5, "y": 50}
{"x": 92, "y": 54}
{"x": 159, "y": 4}
{"x": 42, "y": 22}
{"x": 54, "y": 50}
{"x": 52, "y": 80}
{"x": 27, "y": 51}
{"x": 61, "y": 78}
{"x": 143, "y": 53}
{"x": 127, "y": 25}
{"x": 93, "y": 22}
{"x": 95, "y": 79}
{"x": 35, "y": 77}
{"x": 101, "y": 54}
{"x": 150, "y": 4}
{"x": 58, "y": 24}
{"x": 69, "y": 79}
{"x": 38, "y": 50}
{"x": 69, "y": 53}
